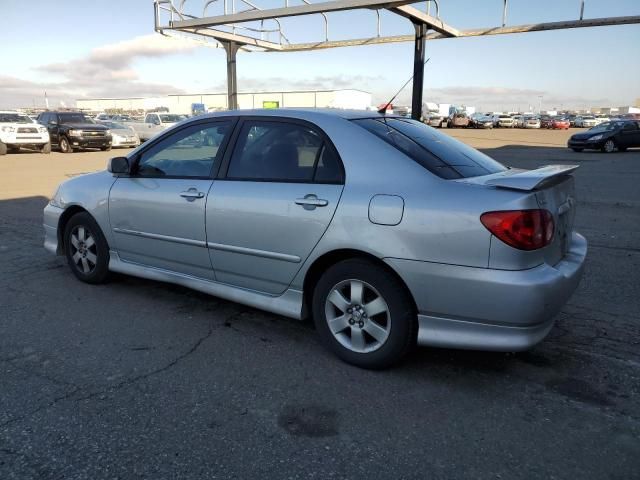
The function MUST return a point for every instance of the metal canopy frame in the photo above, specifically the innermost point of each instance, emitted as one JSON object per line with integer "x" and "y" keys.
{"x": 235, "y": 30}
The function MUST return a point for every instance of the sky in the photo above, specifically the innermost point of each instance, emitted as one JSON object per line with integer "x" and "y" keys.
{"x": 108, "y": 49}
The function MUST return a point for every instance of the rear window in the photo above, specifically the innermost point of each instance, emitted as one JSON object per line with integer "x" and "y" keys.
{"x": 437, "y": 152}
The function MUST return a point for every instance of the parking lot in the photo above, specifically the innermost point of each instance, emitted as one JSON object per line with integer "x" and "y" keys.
{"x": 140, "y": 379}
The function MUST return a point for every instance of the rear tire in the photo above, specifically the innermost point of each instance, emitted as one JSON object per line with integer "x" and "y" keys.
{"x": 65, "y": 146}
{"x": 364, "y": 314}
{"x": 105, "y": 149}
{"x": 622, "y": 149}
{"x": 86, "y": 249}
{"x": 577, "y": 149}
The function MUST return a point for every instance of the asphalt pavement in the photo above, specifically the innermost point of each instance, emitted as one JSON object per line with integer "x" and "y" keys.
{"x": 143, "y": 380}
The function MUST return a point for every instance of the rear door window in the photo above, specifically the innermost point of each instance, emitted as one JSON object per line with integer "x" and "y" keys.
{"x": 279, "y": 151}
{"x": 439, "y": 153}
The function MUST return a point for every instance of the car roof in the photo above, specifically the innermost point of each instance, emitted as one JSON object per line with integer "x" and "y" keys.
{"x": 301, "y": 113}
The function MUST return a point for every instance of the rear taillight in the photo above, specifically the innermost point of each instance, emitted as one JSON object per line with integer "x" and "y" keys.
{"x": 522, "y": 229}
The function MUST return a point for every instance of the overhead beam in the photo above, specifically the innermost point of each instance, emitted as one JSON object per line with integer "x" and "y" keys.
{"x": 416, "y": 16}
{"x": 537, "y": 27}
{"x": 233, "y": 37}
{"x": 542, "y": 27}
{"x": 293, "y": 11}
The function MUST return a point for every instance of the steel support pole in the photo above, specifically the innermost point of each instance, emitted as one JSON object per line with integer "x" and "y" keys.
{"x": 232, "y": 78}
{"x": 418, "y": 70}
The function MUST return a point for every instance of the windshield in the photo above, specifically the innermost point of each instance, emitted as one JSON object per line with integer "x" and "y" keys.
{"x": 437, "y": 152}
{"x": 74, "y": 118}
{"x": 14, "y": 118}
{"x": 171, "y": 118}
{"x": 606, "y": 127}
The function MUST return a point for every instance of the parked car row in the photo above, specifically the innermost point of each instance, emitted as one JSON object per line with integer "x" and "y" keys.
{"x": 505, "y": 120}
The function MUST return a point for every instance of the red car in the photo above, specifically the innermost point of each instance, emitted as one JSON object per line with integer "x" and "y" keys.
{"x": 556, "y": 123}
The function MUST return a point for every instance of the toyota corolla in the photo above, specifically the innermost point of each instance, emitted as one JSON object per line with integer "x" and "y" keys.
{"x": 384, "y": 230}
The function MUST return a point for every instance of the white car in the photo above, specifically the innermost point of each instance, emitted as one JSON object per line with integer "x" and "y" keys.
{"x": 154, "y": 123}
{"x": 503, "y": 120}
{"x": 602, "y": 119}
{"x": 18, "y": 130}
{"x": 531, "y": 122}
{"x": 122, "y": 135}
{"x": 518, "y": 121}
{"x": 586, "y": 121}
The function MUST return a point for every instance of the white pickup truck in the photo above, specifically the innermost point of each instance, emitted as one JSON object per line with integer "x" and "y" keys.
{"x": 18, "y": 130}
{"x": 154, "y": 123}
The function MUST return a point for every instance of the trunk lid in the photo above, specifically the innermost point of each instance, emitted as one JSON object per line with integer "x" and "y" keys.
{"x": 554, "y": 190}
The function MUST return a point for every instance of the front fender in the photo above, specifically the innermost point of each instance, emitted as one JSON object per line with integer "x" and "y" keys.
{"x": 91, "y": 193}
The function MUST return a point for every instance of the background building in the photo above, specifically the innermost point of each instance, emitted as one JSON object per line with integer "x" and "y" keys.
{"x": 355, "y": 99}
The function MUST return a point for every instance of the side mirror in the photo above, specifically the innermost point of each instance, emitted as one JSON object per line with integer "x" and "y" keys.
{"x": 118, "y": 165}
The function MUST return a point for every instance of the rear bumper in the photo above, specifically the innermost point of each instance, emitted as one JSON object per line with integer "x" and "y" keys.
{"x": 50, "y": 222}
{"x": 488, "y": 309}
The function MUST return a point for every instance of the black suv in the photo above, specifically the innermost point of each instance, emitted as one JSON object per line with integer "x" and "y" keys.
{"x": 73, "y": 130}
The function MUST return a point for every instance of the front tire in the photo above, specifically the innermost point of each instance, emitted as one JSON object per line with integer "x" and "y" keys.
{"x": 364, "y": 314}
{"x": 46, "y": 148}
{"x": 86, "y": 249}
{"x": 577, "y": 149}
{"x": 65, "y": 146}
{"x": 3, "y": 148}
{"x": 609, "y": 146}
{"x": 105, "y": 149}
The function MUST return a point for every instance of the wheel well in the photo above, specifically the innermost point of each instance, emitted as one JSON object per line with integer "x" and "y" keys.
{"x": 62, "y": 223}
{"x": 322, "y": 263}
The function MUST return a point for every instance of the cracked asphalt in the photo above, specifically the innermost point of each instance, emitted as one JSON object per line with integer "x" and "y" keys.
{"x": 143, "y": 380}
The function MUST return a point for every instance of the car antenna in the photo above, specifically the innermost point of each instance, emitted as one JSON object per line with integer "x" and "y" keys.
{"x": 386, "y": 105}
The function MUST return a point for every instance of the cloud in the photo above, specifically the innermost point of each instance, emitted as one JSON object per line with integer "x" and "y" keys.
{"x": 106, "y": 71}
{"x": 318, "y": 82}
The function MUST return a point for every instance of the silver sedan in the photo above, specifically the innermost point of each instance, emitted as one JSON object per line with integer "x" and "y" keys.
{"x": 385, "y": 231}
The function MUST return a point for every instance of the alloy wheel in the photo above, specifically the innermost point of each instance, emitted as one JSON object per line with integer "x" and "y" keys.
{"x": 357, "y": 316}
{"x": 609, "y": 146}
{"x": 83, "y": 249}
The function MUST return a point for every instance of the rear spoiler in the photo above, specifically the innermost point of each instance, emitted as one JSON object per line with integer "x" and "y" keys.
{"x": 526, "y": 180}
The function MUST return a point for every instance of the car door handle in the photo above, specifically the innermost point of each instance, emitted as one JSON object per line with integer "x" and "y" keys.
{"x": 309, "y": 202}
{"x": 191, "y": 194}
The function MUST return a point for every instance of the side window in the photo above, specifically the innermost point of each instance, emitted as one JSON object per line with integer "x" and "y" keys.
{"x": 43, "y": 119}
{"x": 190, "y": 152}
{"x": 329, "y": 169}
{"x": 274, "y": 151}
